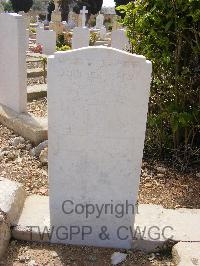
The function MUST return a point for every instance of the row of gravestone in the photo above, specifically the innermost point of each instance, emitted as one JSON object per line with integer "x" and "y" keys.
{"x": 80, "y": 38}
{"x": 97, "y": 108}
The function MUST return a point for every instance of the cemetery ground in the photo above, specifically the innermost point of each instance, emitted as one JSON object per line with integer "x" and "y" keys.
{"x": 160, "y": 184}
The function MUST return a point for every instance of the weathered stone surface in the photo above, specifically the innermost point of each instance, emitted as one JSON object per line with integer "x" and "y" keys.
{"x": 34, "y": 220}
{"x": 80, "y": 38}
{"x": 12, "y": 197}
{"x": 44, "y": 156}
{"x": 119, "y": 40}
{"x": 37, "y": 150}
{"x": 31, "y": 128}
{"x": 36, "y": 92}
{"x": 186, "y": 254}
{"x": 4, "y": 234}
{"x": 13, "y": 62}
{"x": 47, "y": 38}
{"x": 97, "y": 109}
{"x": 156, "y": 227}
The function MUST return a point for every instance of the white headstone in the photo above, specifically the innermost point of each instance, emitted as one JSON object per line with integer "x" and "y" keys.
{"x": 37, "y": 19}
{"x": 83, "y": 12}
{"x": 103, "y": 33}
{"x": 80, "y": 38}
{"x": 99, "y": 21}
{"x": 119, "y": 40}
{"x": 47, "y": 38}
{"x": 39, "y": 31}
{"x": 13, "y": 91}
{"x": 71, "y": 20}
{"x": 97, "y": 111}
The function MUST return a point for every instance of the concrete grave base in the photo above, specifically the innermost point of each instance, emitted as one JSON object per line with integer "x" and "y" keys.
{"x": 36, "y": 92}
{"x": 31, "y": 128}
{"x": 185, "y": 253}
{"x": 4, "y": 234}
{"x": 34, "y": 224}
{"x": 157, "y": 227}
{"x": 12, "y": 197}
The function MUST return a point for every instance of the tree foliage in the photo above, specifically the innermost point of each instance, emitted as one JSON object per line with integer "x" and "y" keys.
{"x": 7, "y": 6}
{"x": 168, "y": 33}
{"x": 50, "y": 9}
{"x": 21, "y": 5}
{"x": 38, "y": 5}
{"x": 63, "y": 6}
{"x": 119, "y": 3}
{"x": 93, "y": 6}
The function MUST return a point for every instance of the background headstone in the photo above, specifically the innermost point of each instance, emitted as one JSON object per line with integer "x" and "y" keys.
{"x": 102, "y": 33}
{"x": 97, "y": 111}
{"x": 80, "y": 38}
{"x": 13, "y": 45}
{"x": 47, "y": 38}
{"x": 119, "y": 40}
{"x": 99, "y": 21}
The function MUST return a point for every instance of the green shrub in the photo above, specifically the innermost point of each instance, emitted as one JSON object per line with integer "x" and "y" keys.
{"x": 63, "y": 48}
{"x": 168, "y": 34}
{"x": 93, "y": 38}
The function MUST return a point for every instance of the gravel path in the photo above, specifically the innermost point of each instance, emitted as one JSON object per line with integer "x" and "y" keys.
{"x": 38, "y": 107}
{"x": 35, "y": 254}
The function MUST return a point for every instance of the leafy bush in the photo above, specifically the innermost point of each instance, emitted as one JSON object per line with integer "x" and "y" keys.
{"x": 63, "y": 48}
{"x": 60, "y": 40}
{"x": 93, "y": 38}
{"x": 7, "y": 6}
{"x": 33, "y": 30}
{"x": 168, "y": 34}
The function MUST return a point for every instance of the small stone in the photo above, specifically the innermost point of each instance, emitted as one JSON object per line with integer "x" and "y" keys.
{"x": 43, "y": 190}
{"x": 22, "y": 258}
{"x": 5, "y": 149}
{"x": 37, "y": 150}
{"x": 92, "y": 258}
{"x": 159, "y": 175}
{"x": 32, "y": 263}
{"x": 152, "y": 256}
{"x": 18, "y": 140}
{"x": 198, "y": 175}
{"x": 4, "y": 153}
{"x": 118, "y": 257}
{"x": 28, "y": 147}
{"x": 21, "y": 146}
{"x": 54, "y": 254}
{"x": 11, "y": 156}
{"x": 44, "y": 156}
{"x": 161, "y": 170}
{"x": 1, "y": 156}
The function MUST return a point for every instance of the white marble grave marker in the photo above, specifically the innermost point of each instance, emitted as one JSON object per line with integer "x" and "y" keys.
{"x": 80, "y": 38}
{"x": 47, "y": 38}
{"x": 102, "y": 33}
{"x": 99, "y": 21}
{"x": 119, "y": 40}
{"x": 13, "y": 44}
{"x": 83, "y": 12}
{"x": 97, "y": 110}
